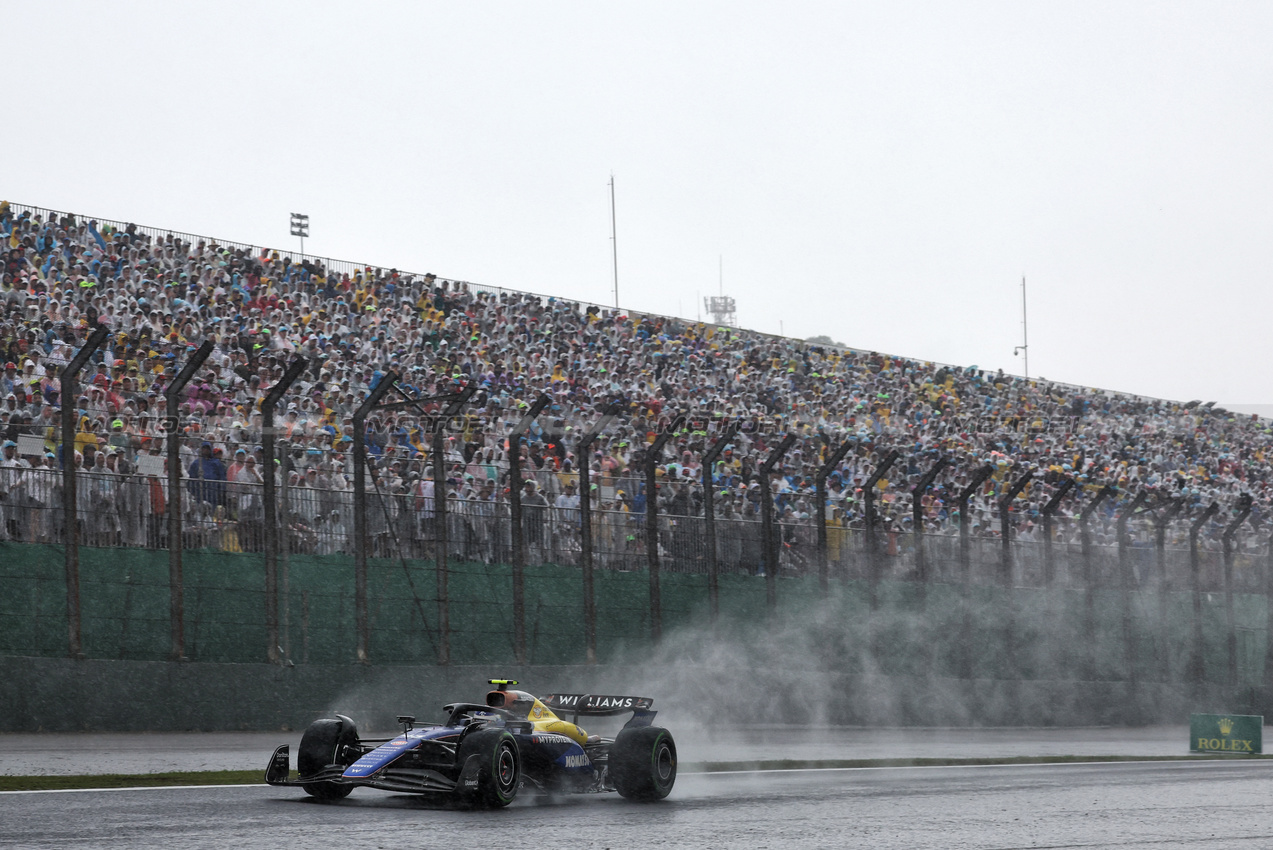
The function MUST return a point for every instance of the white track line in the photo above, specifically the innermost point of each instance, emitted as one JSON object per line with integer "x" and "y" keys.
{"x": 968, "y": 766}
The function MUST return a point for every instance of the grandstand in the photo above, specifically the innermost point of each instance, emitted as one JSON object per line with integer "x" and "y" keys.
{"x": 161, "y": 293}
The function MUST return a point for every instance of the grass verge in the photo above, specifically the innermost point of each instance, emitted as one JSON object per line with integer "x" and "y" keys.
{"x": 132, "y": 780}
{"x": 255, "y": 777}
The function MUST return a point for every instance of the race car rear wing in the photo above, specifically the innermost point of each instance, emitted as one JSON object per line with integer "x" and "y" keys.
{"x": 597, "y": 705}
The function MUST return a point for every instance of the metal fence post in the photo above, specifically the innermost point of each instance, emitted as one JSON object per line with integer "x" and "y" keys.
{"x": 585, "y": 526}
{"x": 1161, "y": 522}
{"x": 652, "y": 526}
{"x": 69, "y": 397}
{"x": 361, "y": 616}
{"x": 709, "y": 518}
{"x": 770, "y": 547}
{"x": 176, "y": 581}
{"x": 872, "y": 547}
{"x": 1089, "y": 576}
{"x": 1049, "y": 511}
{"x": 518, "y": 534}
{"x": 965, "y": 522}
{"x": 1268, "y": 623}
{"x": 283, "y": 514}
{"x": 1127, "y": 580}
{"x": 1196, "y": 660}
{"x": 965, "y": 565}
{"x": 270, "y": 507}
{"x": 452, "y": 410}
{"x": 1244, "y": 511}
{"x": 917, "y": 524}
{"x": 922, "y": 574}
{"x": 820, "y": 508}
{"x": 1006, "y": 577}
{"x": 1054, "y": 608}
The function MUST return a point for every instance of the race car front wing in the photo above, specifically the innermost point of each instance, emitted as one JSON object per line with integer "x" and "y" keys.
{"x": 406, "y": 780}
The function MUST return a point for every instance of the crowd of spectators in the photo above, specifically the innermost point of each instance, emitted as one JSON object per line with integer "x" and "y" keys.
{"x": 161, "y": 295}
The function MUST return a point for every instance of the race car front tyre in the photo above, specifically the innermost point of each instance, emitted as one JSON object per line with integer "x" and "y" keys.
{"x": 326, "y": 743}
{"x": 491, "y": 779}
{"x": 643, "y": 763}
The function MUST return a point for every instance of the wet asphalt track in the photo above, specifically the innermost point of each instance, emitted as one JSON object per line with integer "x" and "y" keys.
{"x": 1141, "y": 805}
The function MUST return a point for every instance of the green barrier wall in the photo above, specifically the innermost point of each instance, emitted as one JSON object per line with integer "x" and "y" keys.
{"x": 978, "y": 632}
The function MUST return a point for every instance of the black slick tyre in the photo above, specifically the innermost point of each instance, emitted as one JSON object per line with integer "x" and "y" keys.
{"x": 643, "y": 763}
{"x": 327, "y": 743}
{"x": 498, "y": 772}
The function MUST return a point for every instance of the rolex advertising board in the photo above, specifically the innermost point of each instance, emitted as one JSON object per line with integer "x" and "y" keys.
{"x": 1226, "y": 733}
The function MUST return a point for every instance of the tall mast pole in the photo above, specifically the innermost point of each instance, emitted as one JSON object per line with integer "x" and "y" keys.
{"x": 614, "y": 242}
{"x": 1025, "y": 332}
{"x": 1024, "y": 347}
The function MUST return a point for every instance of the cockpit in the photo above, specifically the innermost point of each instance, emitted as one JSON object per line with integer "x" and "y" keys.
{"x": 522, "y": 705}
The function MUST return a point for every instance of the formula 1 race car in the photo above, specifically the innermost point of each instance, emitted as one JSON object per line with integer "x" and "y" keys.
{"x": 484, "y": 752}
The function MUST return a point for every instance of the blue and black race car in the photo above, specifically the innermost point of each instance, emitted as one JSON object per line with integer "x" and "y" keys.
{"x": 485, "y": 752}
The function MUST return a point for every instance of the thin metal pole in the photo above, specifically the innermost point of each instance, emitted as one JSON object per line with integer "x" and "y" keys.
{"x": 270, "y": 506}
{"x": 585, "y": 553}
{"x": 652, "y": 542}
{"x": 519, "y": 539}
{"x": 917, "y": 526}
{"x": 284, "y": 553}
{"x": 585, "y": 528}
{"x": 1197, "y": 664}
{"x": 1161, "y": 522}
{"x": 1244, "y": 511}
{"x": 770, "y": 542}
{"x": 361, "y": 616}
{"x": 652, "y": 526}
{"x": 439, "y": 512}
{"x": 1054, "y": 598}
{"x": 1007, "y": 578}
{"x": 614, "y": 242}
{"x": 440, "y": 536}
{"x": 872, "y": 553}
{"x": 1268, "y": 620}
{"x": 175, "y": 578}
{"x": 1049, "y": 511}
{"x": 820, "y": 497}
{"x": 1025, "y": 332}
{"x": 965, "y": 568}
{"x": 1127, "y": 580}
{"x": 1089, "y": 577}
{"x": 709, "y": 519}
{"x": 69, "y": 398}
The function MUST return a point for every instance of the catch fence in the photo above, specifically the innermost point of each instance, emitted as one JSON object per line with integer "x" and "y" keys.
{"x": 1165, "y": 612}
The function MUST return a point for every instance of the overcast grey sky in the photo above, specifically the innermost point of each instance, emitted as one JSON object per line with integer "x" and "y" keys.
{"x": 881, "y": 173}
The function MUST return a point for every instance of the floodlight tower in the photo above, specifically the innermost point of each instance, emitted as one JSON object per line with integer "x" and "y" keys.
{"x": 300, "y": 227}
{"x": 721, "y": 307}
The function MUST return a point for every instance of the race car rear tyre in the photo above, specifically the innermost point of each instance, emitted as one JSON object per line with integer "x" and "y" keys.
{"x": 325, "y": 743}
{"x": 643, "y": 763}
{"x": 498, "y": 773}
